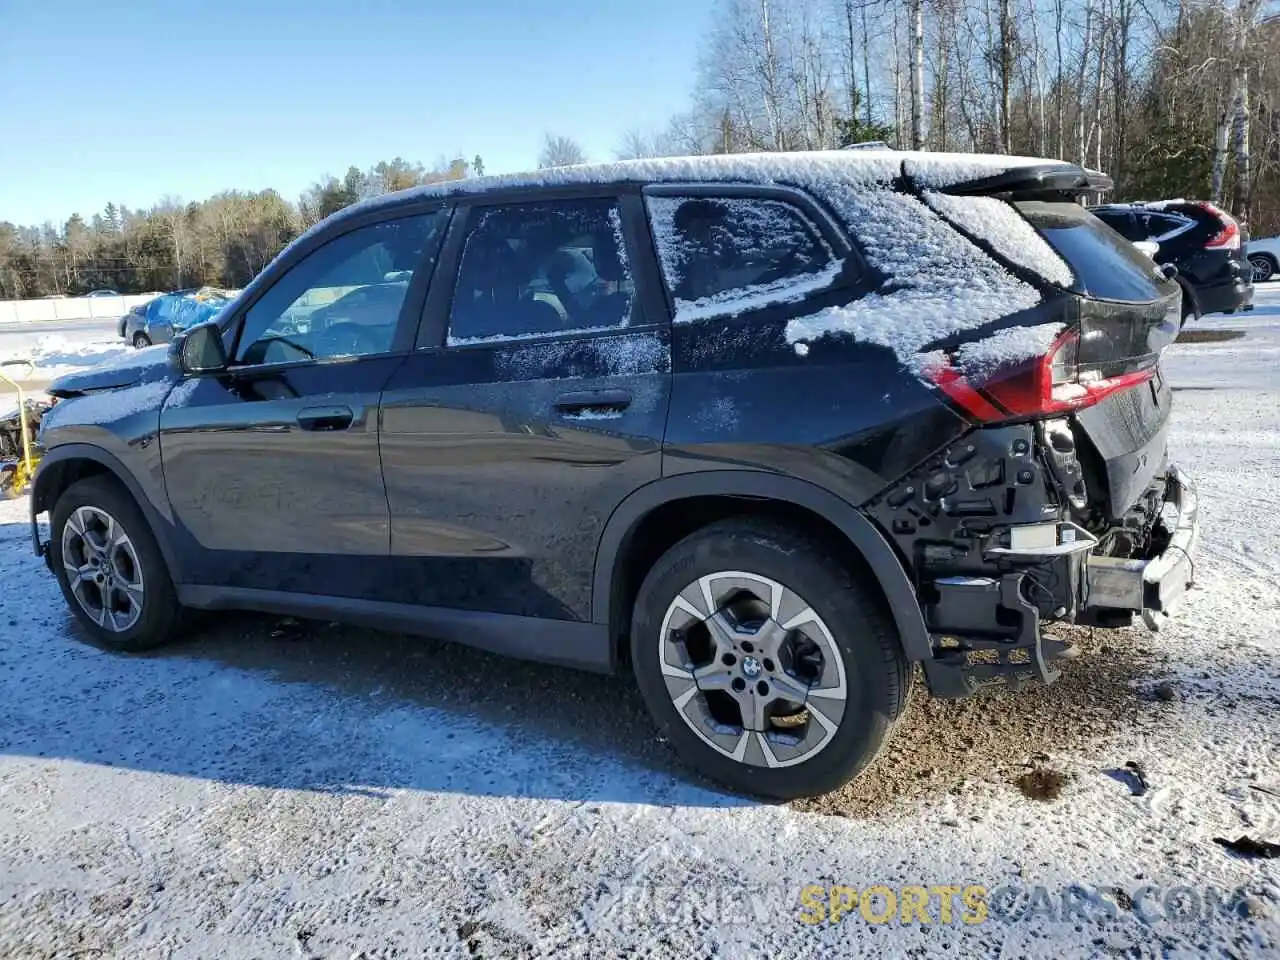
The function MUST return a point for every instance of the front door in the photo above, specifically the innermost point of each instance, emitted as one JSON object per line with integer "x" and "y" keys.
{"x": 273, "y": 468}
{"x": 508, "y": 440}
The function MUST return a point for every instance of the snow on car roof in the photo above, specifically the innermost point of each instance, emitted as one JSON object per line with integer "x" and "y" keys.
{"x": 934, "y": 170}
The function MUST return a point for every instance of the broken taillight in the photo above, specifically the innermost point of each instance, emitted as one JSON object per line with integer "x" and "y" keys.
{"x": 1047, "y": 385}
{"x": 1228, "y": 235}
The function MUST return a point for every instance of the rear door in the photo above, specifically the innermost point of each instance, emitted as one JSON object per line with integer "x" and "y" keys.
{"x": 273, "y": 468}
{"x": 535, "y": 402}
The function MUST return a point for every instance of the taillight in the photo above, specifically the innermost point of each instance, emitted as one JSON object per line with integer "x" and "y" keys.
{"x": 1228, "y": 235}
{"x": 1047, "y": 385}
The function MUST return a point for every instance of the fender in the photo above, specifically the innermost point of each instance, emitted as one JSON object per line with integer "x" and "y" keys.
{"x": 112, "y": 465}
{"x": 859, "y": 530}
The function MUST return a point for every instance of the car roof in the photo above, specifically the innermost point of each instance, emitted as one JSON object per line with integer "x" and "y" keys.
{"x": 930, "y": 170}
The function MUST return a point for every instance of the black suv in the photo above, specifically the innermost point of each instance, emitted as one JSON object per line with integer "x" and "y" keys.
{"x": 764, "y": 431}
{"x": 1203, "y": 242}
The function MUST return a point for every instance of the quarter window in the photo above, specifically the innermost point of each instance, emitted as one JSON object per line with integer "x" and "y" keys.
{"x": 344, "y": 298}
{"x": 725, "y": 255}
{"x": 541, "y": 269}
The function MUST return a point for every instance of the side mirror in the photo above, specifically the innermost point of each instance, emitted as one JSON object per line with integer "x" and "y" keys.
{"x": 200, "y": 349}
{"x": 1170, "y": 270}
{"x": 1149, "y": 247}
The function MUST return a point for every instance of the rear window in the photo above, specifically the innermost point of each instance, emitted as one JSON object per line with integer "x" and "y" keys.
{"x": 1106, "y": 265}
{"x": 727, "y": 255}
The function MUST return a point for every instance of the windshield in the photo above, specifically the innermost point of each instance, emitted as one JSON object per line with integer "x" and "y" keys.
{"x": 1106, "y": 265}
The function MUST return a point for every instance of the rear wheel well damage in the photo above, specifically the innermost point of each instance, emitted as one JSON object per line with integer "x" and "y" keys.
{"x": 656, "y": 531}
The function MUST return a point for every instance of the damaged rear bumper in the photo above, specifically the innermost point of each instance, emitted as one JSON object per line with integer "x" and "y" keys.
{"x": 1157, "y": 583}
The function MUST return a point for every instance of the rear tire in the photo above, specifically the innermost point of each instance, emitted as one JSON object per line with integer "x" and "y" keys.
{"x": 110, "y": 568}
{"x": 141, "y": 340}
{"x": 788, "y": 617}
{"x": 1264, "y": 267}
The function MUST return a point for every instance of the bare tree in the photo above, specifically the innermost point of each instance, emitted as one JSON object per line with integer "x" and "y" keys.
{"x": 558, "y": 151}
{"x": 916, "y": 12}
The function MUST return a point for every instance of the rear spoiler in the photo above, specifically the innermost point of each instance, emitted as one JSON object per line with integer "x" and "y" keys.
{"x": 1026, "y": 183}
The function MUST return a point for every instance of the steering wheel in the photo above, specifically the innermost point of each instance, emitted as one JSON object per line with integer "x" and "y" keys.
{"x": 345, "y": 339}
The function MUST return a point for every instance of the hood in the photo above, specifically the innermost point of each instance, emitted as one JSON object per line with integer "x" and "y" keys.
{"x": 132, "y": 367}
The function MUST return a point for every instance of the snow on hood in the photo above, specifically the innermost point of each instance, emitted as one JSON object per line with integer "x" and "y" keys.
{"x": 151, "y": 363}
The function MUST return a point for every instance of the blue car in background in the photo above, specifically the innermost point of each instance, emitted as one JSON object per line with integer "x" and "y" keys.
{"x": 158, "y": 320}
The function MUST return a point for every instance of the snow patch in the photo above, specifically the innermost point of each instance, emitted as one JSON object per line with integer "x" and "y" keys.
{"x": 593, "y": 413}
{"x": 54, "y": 355}
{"x": 108, "y": 406}
{"x": 939, "y": 283}
{"x": 1006, "y": 347}
{"x": 1008, "y": 233}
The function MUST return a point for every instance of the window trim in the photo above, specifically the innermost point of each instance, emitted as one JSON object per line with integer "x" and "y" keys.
{"x": 277, "y": 270}
{"x": 827, "y": 225}
{"x": 433, "y": 330}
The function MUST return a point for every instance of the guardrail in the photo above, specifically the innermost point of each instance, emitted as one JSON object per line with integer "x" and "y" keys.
{"x": 70, "y": 308}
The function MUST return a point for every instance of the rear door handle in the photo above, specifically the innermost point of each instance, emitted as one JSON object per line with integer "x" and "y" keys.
{"x": 587, "y": 399}
{"x": 325, "y": 418}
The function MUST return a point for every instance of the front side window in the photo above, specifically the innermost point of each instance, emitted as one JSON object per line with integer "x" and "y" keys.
{"x": 542, "y": 269}
{"x": 724, "y": 255}
{"x": 344, "y": 298}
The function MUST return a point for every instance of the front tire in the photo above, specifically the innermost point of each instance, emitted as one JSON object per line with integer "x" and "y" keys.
{"x": 1264, "y": 267}
{"x": 110, "y": 568}
{"x": 141, "y": 341}
{"x": 768, "y": 663}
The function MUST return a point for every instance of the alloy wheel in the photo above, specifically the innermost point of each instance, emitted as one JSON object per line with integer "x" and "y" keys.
{"x": 102, "y": 568}
{"x": 752, "y": 669}
{"x": 1261, "y": 268}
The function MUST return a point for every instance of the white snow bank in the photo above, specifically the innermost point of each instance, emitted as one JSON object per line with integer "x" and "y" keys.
{"x": 56, "y": 354}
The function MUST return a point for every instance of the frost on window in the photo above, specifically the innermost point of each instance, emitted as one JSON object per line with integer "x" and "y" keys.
{"x": 723, "y": 256}
{"x": 1000, "y": 225}
{"x": 542, "y": 269}
{"x": 937, "y": 283}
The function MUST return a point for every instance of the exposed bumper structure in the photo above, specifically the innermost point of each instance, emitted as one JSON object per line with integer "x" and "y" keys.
{"x": 1155, "y": 584}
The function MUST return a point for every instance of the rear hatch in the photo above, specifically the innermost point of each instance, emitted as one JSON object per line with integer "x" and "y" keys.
{"x": 1128, "y": 313}
{"x": 1113, "y": 319}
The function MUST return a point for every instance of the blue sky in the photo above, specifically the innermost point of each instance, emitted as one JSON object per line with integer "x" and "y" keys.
{"x": 189, "y": 97}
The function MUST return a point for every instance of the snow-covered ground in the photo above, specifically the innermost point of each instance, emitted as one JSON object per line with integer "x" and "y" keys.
{"x": 54, "y": 354}
{"x": 330, "y": 792}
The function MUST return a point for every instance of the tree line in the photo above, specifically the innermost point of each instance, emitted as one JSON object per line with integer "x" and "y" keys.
{"x": 1172, "y": 98}
{"x": 223, "y": 241}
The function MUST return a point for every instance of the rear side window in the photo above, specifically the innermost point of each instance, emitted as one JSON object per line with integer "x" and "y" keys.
{"x": 1106, "y": 265}
{"x": 726, "y": 255}
{"x": 542, "y": 269}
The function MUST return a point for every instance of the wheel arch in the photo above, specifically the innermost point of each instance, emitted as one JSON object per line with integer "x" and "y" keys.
{"x": 65, "y": 465}
{"x": 1268, "y": 256}
{"x": 657, "y": 515}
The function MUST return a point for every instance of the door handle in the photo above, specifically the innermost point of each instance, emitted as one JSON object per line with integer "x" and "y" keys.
{"x": 586, "y": 399}
{"x": 325, "y": 418}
